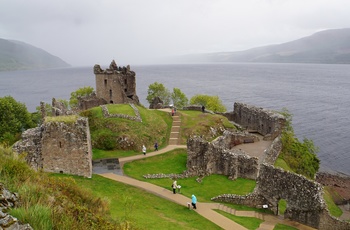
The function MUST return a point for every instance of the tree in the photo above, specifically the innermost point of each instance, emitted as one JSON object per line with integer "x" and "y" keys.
{"x": 212, "y": 103}
{"x": 300, "y": 156}
{"x": 158, "y": 90}
{"x": 14, "y": 119}
{"x": 179, "y": 98}
{"x": 81, "y": 92}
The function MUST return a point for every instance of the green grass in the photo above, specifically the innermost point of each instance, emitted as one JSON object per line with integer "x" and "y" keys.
{"x": 142, "y": 209}
{"x": 198, "y": 123}
{"x": 283, "y": 227}
{"x": 122, "y": 135}
{"x": 66, "y": 119}
{"x": 175, "y": 162}
{"x": 282, "y": 164}
{"x": 250, "y": 223}
{"x": 282, "y": 206}
{"x": 332, "y": 207}
{"x": 121, "y": 109}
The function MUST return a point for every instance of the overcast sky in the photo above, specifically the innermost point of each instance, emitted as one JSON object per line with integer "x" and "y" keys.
{"x": 88, "y": 32}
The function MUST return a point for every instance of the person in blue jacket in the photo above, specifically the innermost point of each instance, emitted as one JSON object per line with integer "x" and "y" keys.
{"x": 194, "y": 202}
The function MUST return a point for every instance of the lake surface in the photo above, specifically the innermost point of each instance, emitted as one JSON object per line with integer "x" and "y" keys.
{"x": 316, "y": 95}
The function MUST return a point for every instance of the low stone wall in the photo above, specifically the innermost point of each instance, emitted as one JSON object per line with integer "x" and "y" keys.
{"x": 137, "y": 116}
{"x": 230, "y": 139}
{"x": 89, "y": 102}
{"x": 204, "y": 158}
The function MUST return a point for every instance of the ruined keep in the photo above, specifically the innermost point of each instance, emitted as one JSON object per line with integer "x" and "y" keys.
{"x": 60, "y": 147}
{"x": 254, "y": 119}
{"x": 116, "y": 85}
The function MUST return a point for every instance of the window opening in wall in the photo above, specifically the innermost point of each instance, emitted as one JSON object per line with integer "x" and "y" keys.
{"x": 270, "y": 129}
{"x": 125, "y": 90}
{"x": 126, "y": 82}
{"x": 110, "y": 94}
{"x": 105, "y": 82}
{"x": 282, "y": 206}
{"x": 60, "y": 144}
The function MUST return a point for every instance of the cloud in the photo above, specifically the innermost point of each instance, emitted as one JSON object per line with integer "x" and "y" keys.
{"x": 85, "y": 32}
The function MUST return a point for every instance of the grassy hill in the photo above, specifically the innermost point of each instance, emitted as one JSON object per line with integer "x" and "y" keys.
{"x": 16, "y": 55}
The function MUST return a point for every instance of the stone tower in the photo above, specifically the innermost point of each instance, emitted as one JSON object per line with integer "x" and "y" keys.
{"x": 116, "y": 85}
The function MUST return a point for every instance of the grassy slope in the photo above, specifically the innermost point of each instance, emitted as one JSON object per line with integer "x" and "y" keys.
{"x": 142, "y": 209}
{"x": 175, "y": 162}
{"x": 198, "y": 123}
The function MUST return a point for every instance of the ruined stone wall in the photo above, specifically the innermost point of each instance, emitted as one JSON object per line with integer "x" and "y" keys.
{"x": 230, "y": 139}
{"x": 304, "y": 197}
{"x": 272, "y": 152}
{"x": 116, "y": 85}
{"x": 339, "y": 183}
{"x": 91, "y": 101}
{"x": 66, "y": 148}
{"x": 265, "y": 122}
{"x": 329, "y": 222}
{"x": 31, "y": 145}
{"x": 206, "y": 158}
{"x": 58, "y": 147}
{"x": 8, "y": 201}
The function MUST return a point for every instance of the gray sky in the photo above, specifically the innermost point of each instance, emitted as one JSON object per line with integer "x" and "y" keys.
{"x": 88, "y": 32}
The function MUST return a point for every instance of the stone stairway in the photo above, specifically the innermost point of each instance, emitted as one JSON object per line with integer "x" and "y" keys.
{"x": 175, "y": 131}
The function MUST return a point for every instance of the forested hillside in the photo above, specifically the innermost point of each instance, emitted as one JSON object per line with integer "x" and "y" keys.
{"x": 16, "y": 55}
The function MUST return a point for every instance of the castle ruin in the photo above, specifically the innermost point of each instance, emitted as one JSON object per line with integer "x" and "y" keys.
{"x": 304, "y": 197}
{"x": 59, "y": 147}
{"x": 116, "y": 85}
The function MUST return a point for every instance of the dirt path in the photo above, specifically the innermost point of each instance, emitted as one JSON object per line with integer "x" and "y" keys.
{"x": 207, "y": 210}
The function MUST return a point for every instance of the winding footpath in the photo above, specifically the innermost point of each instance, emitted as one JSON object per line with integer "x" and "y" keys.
{"x": 207, "y": 210}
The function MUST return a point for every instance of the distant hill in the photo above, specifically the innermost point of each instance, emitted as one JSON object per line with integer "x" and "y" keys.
{"x": 16, "y": 55}
{"x": 329, "y": 47}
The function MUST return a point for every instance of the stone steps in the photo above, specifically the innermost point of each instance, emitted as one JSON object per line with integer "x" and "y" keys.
{"x": 175, "y": 131}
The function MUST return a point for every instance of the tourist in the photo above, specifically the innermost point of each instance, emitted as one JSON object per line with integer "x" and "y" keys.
{"x": 174, "y": 186}
{"x": 203, "y": 109}
{"x": 144, "y": 149}
{"x": 156, "y": 146}
{"x": 194, "y": 202}
{"x": 172, "y": 112}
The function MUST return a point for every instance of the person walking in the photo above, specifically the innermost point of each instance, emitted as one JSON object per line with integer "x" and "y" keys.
{"x": 156, "y": 146}
{"x": 174, "y": 186}
{"x": 144, "y": 149}
{"x": 194, "y": 202}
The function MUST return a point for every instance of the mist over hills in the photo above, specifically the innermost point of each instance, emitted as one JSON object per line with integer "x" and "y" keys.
{"x": 16, "y": 55}
{"x": 327, "y": 47}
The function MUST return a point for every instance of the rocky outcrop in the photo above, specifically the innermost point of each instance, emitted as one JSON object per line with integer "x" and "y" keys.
{"x": 9, "y": 200}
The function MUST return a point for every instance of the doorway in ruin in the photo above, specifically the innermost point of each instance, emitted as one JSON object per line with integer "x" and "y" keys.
{"x": 282, "y": 206}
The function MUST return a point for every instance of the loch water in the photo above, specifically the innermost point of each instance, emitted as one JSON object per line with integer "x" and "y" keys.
{"x": 317, "y": 95}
